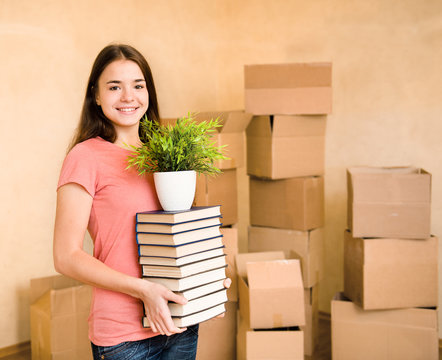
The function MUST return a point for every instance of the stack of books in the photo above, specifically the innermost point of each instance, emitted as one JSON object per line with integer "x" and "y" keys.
{"x": 184, "y": 251}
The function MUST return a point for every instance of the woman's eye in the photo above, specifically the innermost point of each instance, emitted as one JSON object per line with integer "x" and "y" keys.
{"x": 113, "y": 88}
{"x": 139, "y": 86}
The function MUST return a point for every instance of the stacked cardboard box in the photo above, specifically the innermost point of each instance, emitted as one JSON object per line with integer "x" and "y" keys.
{"x": 222, "y": 189}
{"x": 217, "y": 337}
{"x": 388, "y": 309}
{"x": 285, "y": 161}
{"x": 271, "y": 306}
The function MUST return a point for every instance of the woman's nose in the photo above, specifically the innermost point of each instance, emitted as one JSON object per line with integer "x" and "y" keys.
{"x": 127, "y": 95}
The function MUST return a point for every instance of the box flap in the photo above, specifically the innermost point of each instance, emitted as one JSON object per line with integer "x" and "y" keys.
{"x": 289, "y": 75}
{"x": 41, "y": 285}
{"x": 244, "y": 258}
{"x": 388, "y": 184}
{"x": 287, "y": 126}
{"x": 298, "y": 125}
{"x": 232, "y": 121}
{"x": 274, "y": 274}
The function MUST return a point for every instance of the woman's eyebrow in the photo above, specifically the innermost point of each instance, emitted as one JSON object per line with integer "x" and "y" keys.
{"x": 119, "y": 81}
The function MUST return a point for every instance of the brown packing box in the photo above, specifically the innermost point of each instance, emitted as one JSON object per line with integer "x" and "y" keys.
{"x": 283, "y": 146}
{"x": 389, "y": 202}
{"x": 311, "y": 327}
{"x": 217, "y": 337}
{"x": 294, "y": 88}
{"x": 294, "y": 203}
{"x": 219, "y": 190}
{"x": 230, "y": 240}
{"x": 391, "y": 273}
{"x": 304, "y": 245}
{"x": 269, "y": 343}
{"x": 405, "y": 334}
{"x": 231, "y": 134}
{"x": 270, "y": 290}
{"x": 59, "y": 312}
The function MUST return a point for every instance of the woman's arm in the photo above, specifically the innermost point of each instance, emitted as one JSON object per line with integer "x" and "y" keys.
{"x": 74, "y": 204}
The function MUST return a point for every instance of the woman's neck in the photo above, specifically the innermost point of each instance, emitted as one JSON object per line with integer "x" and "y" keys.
{"x": 127, "y": 138}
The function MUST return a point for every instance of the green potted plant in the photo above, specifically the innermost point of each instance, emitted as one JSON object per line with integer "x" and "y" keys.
{"x": 175, "y": 154}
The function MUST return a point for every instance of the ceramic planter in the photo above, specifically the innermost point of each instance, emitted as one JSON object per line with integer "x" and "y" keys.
{"x": 175, "y": 189}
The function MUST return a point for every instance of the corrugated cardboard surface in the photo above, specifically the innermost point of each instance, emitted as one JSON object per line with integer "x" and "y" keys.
{"x": 230, "y": 240}
{"x": 311, "y": 327}
{"x": 391, "y": 273}
{"x": 219, "y": 190}
{"x": 284, "y": 146}
{"x": 389, "y": 202}
{"x": 268, "y": 344}
{"x": 294, "y": 203}
{"x": 59, "y": 312}
{"x": 270, "y": 288}
{"x": 406, "y": 334}
{"x": 297, "y": 88}
{"x": 231, "y": 134}
{"x": 304, "y": 245}
{"x": 217, "y": 337}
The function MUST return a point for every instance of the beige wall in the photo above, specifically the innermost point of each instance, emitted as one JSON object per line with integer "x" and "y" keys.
{"x": 387, "y": 76}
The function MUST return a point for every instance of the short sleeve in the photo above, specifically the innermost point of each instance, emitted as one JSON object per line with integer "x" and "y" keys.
{"x": 80, "y": 167}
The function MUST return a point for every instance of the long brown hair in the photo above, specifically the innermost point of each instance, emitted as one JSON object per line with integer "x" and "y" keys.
{"x": 93, "y": 122}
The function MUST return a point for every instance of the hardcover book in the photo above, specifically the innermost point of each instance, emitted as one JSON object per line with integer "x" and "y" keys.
{"x": 166, "y": 228}
{"x": 202, "y": 290}
{"x": 176, "y": 272}
{"x": 180, "y": 250}
{"x": 191, "y": 281}
{"x": 199, "y": 304}
{"x": 192, "y": 319}
{"x": 183, "y": 260}
{"x": 173, "y": 217}
{"x": 179, "y": 238}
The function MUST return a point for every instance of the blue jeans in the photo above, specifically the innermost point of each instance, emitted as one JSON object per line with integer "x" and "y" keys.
{"x": 161, "y": 347}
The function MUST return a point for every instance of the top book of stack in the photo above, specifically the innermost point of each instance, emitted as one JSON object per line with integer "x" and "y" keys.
{"x": 176, "y": 217}
{"x": 288, "y": 89}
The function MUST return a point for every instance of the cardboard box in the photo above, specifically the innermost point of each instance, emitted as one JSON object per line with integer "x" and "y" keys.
{"x": 406, "y": 334}
{"x": 59, "y": 312}
{"x": 307, "y": 246}
{"x": 389, "y": 202}
{"x": 391, "y": 273}
{"x": 230, "y": 240}
{"x": 296, "y": 88}
{"x": 283, "y": 343}
{"x": 311, "y": 327}
{"x": 219, "y": 190}
{"x": 283, "y": 146}
{"x": 231, "y": 134}
{"x": 217, "y": 337}
{"x": 294, "y": 203}
{"x": 271, "y": 294}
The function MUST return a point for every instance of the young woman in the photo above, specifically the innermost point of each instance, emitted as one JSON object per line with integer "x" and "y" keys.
{"x": 97, "y": 193}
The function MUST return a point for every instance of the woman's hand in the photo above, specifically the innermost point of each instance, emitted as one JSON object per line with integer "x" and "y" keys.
{"x": 155, "y": 298}
{"x": 227, "y": 283}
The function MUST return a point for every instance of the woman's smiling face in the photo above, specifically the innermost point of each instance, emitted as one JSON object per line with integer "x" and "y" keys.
{"x": 122, "y": 93}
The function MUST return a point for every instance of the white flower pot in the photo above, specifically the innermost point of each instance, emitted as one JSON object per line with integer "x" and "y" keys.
{"x": 175, "y": 189}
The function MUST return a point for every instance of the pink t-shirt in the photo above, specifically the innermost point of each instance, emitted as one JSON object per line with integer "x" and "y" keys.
{"x": 118, "y": 194}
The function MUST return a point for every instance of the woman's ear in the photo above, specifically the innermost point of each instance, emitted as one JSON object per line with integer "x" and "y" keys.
{"x": 97, "y": 100}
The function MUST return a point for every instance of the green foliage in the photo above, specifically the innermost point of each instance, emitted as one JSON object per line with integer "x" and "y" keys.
{"x": 187, "y": 145}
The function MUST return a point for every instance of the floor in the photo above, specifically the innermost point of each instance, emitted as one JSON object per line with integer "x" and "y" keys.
{"x": 323, "y": 352}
